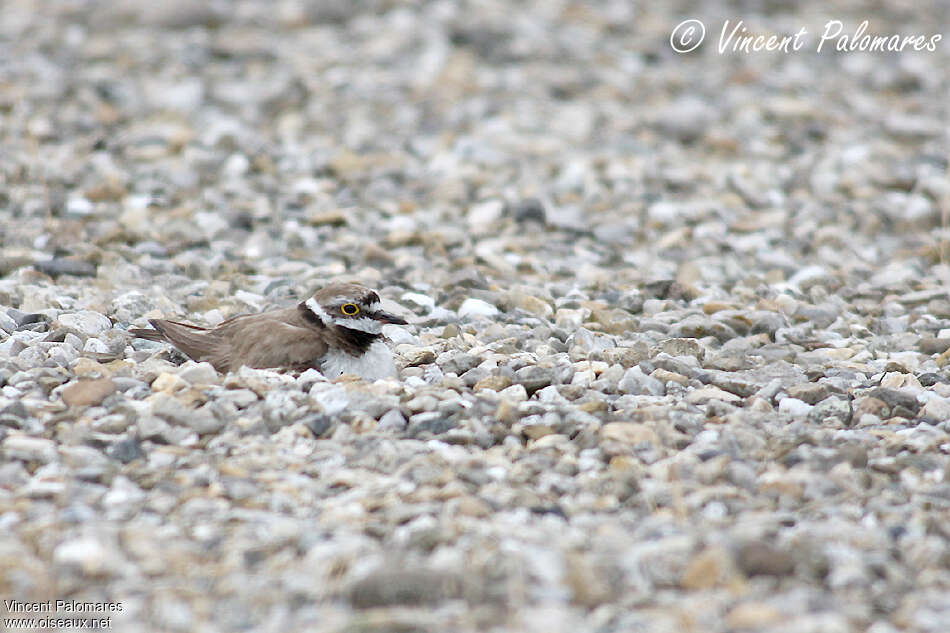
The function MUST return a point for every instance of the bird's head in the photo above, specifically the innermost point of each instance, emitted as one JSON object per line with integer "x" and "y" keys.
{"x": 350, "y": 306}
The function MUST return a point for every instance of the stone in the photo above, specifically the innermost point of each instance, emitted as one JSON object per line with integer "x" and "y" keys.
{"x": 681, "y": 347}
{"x": 392, "y": 420}
{"x": 199, "y": 373}
{"x": 169, "y": 383}
{"x": 57, "y": 266}
{"x": 7, "y": 324}
{"x": 811, "y": 392}
{"x": 85, "y": 393}
{"x": 635, "y": 382}
{"x": 317, "y": 423}
{"x": 758, "y": 558}
{"x": 936, "y": 408}
{"x": 705, "y": 394}
{"x": 423, "y": 304}
{"x": 598, "y": 442}
{"x": 14, "y": 414}
{"x": 746, "y": 382}
{"x": 534, "y": 377}
{"x": 527, "y": 210}
{"x": 753, "y": 616}
{"x": 493, "y": 383}
{"x": 29, "y": 449}
{"x": 85, "y": 322}
{"x": 901, "y": 403}
{"x": 170, "y": 408}
{"x": 429, "y": 422}
{"x": 628, "y": 433}
{"x": 126, "y": 450}
{"x": 481, "y": 215}
{"x": 627, "y": 356}
{"x": 476, "y": 308}
{"x": 831, "y": 410}
{"x": 794, "y": 407}
{"x": 531, "y": 304}
{"x": 933, "y": 345}
{"x": 516, "y": 392}
{"x": 415, "y": 356}
{"x": 88, "y": 556}
{"x": 403, "y": 586}
{"x": 457, "y": 362}
{"x": 710, "y": 568}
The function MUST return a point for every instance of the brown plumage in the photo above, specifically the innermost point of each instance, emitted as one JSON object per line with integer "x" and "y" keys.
{"x": 291, "y": 338}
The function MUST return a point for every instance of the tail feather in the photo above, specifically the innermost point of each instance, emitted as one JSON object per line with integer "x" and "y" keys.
{"x": 197, "y": 343}
{"x": 149, "y": 335}
{"x": 158, "y": 324}
{"x": 164, "y": 330}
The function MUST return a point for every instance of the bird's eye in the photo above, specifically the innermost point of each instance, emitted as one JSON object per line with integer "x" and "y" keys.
{"x": 350, "y": 309}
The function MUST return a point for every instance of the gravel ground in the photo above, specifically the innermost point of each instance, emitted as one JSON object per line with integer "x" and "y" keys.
{"x": 679, "y": 324}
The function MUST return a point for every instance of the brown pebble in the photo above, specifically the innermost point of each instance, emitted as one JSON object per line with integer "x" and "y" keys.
{"x": 810, "y": 392}
{"x": 753, "y": 616}
{"x": 758, "y": 558}
{"x": 709, "y": 568}
{"x": 717, "y": 306}
{"x": 86, "y": 393}
{"x": 400, "y": 586}
{"x": 495, "y": 383}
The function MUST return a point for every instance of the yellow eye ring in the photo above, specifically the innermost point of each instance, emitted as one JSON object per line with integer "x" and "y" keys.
{"x": 350, "y": 309}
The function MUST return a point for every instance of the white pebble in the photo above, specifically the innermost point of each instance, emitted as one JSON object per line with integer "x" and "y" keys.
{"x": 794, "y": 406}
{"x": 86, "y": 322}
{"x": 472, "y": 307}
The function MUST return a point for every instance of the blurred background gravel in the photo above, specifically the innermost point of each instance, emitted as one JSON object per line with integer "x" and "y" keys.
{"x": 679, "y": 330}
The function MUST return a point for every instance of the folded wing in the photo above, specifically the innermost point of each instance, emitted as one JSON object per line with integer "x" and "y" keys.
{"x": 260, "y": 341}
{"x": 264, "y": 343}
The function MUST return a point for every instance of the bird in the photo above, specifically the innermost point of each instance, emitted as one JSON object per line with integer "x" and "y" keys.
{"x": 336, "y": 331}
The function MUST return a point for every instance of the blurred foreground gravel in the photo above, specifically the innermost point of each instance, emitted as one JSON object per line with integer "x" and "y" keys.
{"x": 679, "y": 338}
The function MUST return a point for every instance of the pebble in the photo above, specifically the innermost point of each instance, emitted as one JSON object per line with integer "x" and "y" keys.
{"x": 673, "y": 362}
{"x": 56, "y": 267}
{"x": 831, "y": 411}
{"x": 7, "y": 324}
{"x": 812, "y": 393}
{"x": 199, "y": 373}
{"x": 403, "y": 586}
{"x": 794, "y": 407}
{"x": 705, "y": 394}
{"x": 392, "y": 420}
{"x": 534, "y": 377}
{"x": 126, "y": 450}
{"x": 86, "y": 322}
{"x": 29, "y": 449}
{"x": 86, "y": 393}
{"x": 424, "y": 302}
{"x": 936, "y": 408}
{"x": 635, "y": 382}
{"x": 473, "y": 308}
{"x": 757, "y": 558}
{"x": 88, "y": 556}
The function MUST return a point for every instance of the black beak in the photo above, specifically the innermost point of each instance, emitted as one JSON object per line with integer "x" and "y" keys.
{"x": 387, "y": 317}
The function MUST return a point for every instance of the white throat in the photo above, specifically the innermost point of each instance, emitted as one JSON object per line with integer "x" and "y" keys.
{"x": 375, "y": 363}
